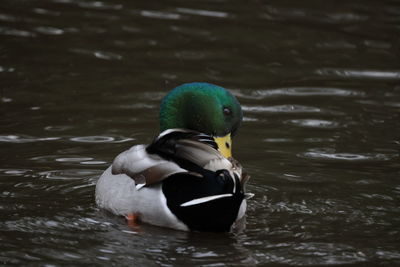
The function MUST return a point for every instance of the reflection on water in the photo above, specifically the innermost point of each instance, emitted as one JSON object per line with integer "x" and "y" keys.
{"x": 314, "y": 123}
{"x": 81, "y": 81}
{"x": 348, "y": 156}
{"x": 282, "y": 109}
{"x": 371, "y": 74}
{"x": 299, "y": 91}
{"x": 24, "y": 139}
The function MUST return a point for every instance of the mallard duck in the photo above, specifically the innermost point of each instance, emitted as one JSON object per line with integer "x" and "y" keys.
{"x": 186, "y": 178}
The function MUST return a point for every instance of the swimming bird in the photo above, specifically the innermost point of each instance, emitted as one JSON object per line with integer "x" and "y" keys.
{"x": 186, "y": 178}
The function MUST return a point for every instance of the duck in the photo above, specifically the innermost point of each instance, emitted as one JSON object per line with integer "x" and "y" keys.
{"x": 186, "y": 178}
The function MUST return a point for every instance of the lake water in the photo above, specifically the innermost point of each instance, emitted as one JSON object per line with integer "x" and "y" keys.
{"x": 319, "y": 82}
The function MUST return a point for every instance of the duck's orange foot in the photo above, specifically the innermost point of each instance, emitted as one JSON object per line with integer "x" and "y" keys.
{"x": 132, "y": 219}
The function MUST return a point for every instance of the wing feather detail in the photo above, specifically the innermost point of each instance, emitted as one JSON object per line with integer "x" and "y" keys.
{"x": 201, "y": 200}
{"x": 191, "y": 146}
{"x": 142, "y": 167}
{"x": 174, "y": 151}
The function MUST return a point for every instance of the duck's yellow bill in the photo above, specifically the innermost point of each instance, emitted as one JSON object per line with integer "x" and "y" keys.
{"x": 224, "y": 145}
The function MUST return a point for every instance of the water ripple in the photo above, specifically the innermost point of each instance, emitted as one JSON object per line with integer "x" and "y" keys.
{"x": 5, "y": 99}
{"x": 318, "y": 140}
{"x": 49, "y": 30}
{"x": 70, "y": 174}
{"x": 201, "y": 12}
{"x": 312, "y": 253}
{"x": 99, "y": 139}
{"x": 159, "y": 14}
{"x": 43, "y": 11}
{"x": 107, "y": 55}
{"x": 25, "y": 139}
{"x": 385, "y": 255}
{"x": 98, "y": 54}
{"x": 94, "y": 162}
{"x": 6, "y": 69}
{"x": 299, "y": 91}
{"x": 58, "y": 128}
{"x": 314, "y": 123}
{"x": 69, "y": 161}
{"x": 346, "y": 156}
{"x": 330, "y": 253}
{"x": 9, "y": 18}
{"x": 81, "y": 139}
{"x": 16, "y": 32}
{"x": 137, "y": 106}
{"x": 337, "y": 44}
{"x": 350, "y": 73}
{"x": 59, "y": 159}
{"x": 99, "y": 5}
{"x": 282, "y": 109}
{"x": 15, "y": 172}
{"x": 44, "y": 225}
{"x": 278, "y": 140}
{"x": 249, "y": 119}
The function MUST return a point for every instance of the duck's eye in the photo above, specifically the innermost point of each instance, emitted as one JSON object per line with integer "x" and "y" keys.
{"x": 227, "y": 111}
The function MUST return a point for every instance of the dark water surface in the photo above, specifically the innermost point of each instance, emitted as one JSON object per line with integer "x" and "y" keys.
{"x": 319, "y": 81}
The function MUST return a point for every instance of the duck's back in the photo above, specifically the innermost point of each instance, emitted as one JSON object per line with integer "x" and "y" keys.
{"x": 179, "y": 181}
{"x": 119, "y": 194}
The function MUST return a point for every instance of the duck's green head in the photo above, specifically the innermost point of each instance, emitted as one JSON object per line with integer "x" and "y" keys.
{"x": 205, "y": 108}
